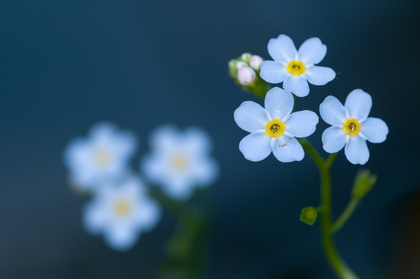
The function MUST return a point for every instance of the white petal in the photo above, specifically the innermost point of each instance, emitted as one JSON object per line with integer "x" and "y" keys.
{"x": 375, "y": 130}
{"x": 312, "y": 51}
{"x": 282, "y": 49}
{"x": 120, "y": 237}
{"x": 358, "y": 103}
{"x": 273, "y": 72}
{"x": 297, "y": 85}
{"x": 319, "y": 75}
{"x": 333, "y": 139}
{"x": 357, "y": 151}
{"x": 250, "y": 116}
{"x": 332, "y": 111}
{"x": 255, "y": 147}
{"x": 278, "y": 102}
{"x": 289, "y": 152}
{"x": 196, "y": 140}
{"x": 302, "y": 123}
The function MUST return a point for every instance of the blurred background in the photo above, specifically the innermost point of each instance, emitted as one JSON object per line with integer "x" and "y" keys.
{"x": 67, "y": 65}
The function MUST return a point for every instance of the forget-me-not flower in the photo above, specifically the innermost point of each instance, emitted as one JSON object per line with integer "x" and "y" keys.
{"x": 274, "y": 128}
{"x": 120, "y": 212}
{"x": 295, "y": 68}
{"x": 101, "y": 157}
{"x": 180, "y": 161}
{"x": 351, "y": 126}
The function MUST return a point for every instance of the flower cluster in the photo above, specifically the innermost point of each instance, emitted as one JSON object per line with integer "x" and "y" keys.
{"x": 121, "y": 207}
{"x": 275, "y": 128}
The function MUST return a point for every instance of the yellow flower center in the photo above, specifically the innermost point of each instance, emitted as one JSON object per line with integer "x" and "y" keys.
{"x": 351, "y": 127}
{"x": 179, "y": 162}
{"x": 296, "y": 67}
{"x": 102, "y": 158}
{"x": 122, "y": 207}
{"x": 275, "y": 128}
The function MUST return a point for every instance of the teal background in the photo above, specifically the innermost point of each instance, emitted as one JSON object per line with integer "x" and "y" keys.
{"x": 66, "y": 65}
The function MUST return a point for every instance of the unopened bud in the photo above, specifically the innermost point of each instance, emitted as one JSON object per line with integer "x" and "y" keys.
{"x": 363, "y": 183}
{"x": 255, "y": 62}
{"x": 241, "y": 64}
{"x": 309, "y": 215}
{"x": 246, "y": 75}
{"x": 246, "y": 57}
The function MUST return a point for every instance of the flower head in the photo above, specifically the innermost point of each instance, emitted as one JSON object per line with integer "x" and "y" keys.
{"x": 295, "y": 68}
{"x": 180, "y": 161}
{"x": 121, "y": 211}
{"x": 274, "y": 128}
{"x": 101, "y": 157}
{"x": 351, "y": 126}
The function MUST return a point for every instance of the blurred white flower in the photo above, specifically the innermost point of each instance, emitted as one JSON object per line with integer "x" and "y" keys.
{"x": 274, "y": 128}
{"x": 121, "y": 212}
{"x": 101, "y": 157}
{"x": 351, "y": 126}
{"x": 180, "y": 161}
{"x": 295, "y": 68}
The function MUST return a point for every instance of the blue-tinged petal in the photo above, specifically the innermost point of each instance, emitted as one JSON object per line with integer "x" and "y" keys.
{"x": 319, "y": 75}
{"x": 250, "y": 116}
{"x": 358, "y": 103}
{"x": 273, "y": 72}
{"x": 288, "y": 152}
{"x": 255, "y": 147}
{"x": 297, "y": 85}
{"x": 312, "y": 51}
{"x": 375, "y": 130}
{"x": 282, "y": 49}
{"x": 302, "y": 123}
{"x": 278, "y": 102}
{"x": 357, "y": 151}
{"x": 333, "y": 139}
{"x": 332, "y": 111}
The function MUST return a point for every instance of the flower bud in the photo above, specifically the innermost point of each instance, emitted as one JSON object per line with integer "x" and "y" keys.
{"x": 246, "y": 75}
{"x": 233, "y": 69}
{"x": 363, "y": 183}
{"x": 309, "y": 215}
{"x": 241, "y": 64}
{"x": 246, "y": 57}
{"x": 255, "y": 62}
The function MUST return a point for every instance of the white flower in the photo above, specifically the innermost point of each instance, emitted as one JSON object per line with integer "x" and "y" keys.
{"x": 246, "y": 75}
{"x": 180, "y": 161}
{"x": 351, "y": 126}
{"x": 121, "y": 212}
{"x": 274, "y": 128}
{"x": 296, "y": 68}
{"x": 101, "y": 157}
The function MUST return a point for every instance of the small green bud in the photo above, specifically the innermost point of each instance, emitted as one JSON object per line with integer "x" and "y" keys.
{"x": 309, "y": 215}
{"x": 233, "y": 70}
{"x": 363, "y": 183}
{"x": 246, "y": 57}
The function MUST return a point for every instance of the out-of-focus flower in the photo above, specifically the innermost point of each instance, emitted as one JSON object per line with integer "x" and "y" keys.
{"x": 180, "y": 161}
{"x": 295, "y": 68}
{"x": 274, "y": 128}
{"x": 121, "y": 212}
{"x": 101, "y": 157}
{"x": 351, "y": 126}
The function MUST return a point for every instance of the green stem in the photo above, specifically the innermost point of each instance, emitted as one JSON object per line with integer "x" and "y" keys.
{"x": 335, "y": 261}
{"x": 348, "y": 211}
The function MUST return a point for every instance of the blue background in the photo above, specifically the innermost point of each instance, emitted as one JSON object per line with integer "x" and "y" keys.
{"x": 66, "y": 65}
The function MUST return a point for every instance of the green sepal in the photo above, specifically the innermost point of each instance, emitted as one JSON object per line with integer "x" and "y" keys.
{"x": 309, "y": 215}
{"x": 363, "y": 183}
